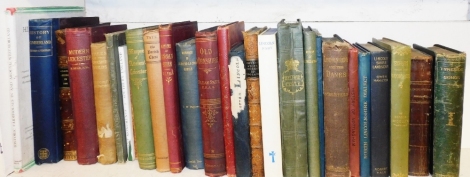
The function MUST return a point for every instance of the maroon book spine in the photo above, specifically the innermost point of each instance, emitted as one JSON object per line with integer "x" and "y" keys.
{"x": 169, "y": 35}
{"x": 78, "y": 42}
{"x": 228, "y": 36}
{"x": 210, "y": 102}
{"x": 353, "y": 113}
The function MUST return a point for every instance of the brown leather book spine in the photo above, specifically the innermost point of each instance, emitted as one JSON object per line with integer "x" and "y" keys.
{"x": 210, "y": 103}
{"x": 169, "y": 36}
{"x": 78, "y": 41}
{"x": 353, "y": 82}
{"x": 420, "y": 113}
{"x": 227, "y": 37}
{"x": 157, "y": 104}
{"x": 70, "y": 147}
{"x": 335, "y": 75}
{"x": 103, "y": 104}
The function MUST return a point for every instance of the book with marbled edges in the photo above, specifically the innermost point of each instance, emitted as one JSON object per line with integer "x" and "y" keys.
{"x": 189, "y": 103}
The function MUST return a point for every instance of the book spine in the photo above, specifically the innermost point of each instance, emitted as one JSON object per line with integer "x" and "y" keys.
{"x": 140, "y": 99}
{"x": 157, "y": 105}
{"x": 399, "y": 110}
{"x": 292, "y": 100}
{"x": 311, "y": 94}
{"x": 65, "y": 97}
{"x": 420, "y": 115}
{"x": 380, "y": 113}
{"x": 335, "y": 65}
{"x": 119, "y": 132}
{"x": 449, "y": 76}
{"x": 353, "y": 99}
{"x": 364, "y": 112}
{"x": 48, "y": 141}
{"x": 223, "y": 42}
{"x": 171, "y": 97}
{"x": 78, "y": 42}
{"x": 240, "y": 116}
{"x": 210, "y": 103}
{"x": 126, "y": 102}
{"x": 321, "y": 120}
{"x": 268, "y": 74}
{"x": 189, "y": 105}
{"x": 254, "y": 104}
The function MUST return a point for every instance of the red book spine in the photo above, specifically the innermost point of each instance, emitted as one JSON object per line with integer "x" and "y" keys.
{"x": 171, "y": 97}
{"x": 353, "y": 113}
{"x": 78, "y": 42}
{"x": 211, "y": 107}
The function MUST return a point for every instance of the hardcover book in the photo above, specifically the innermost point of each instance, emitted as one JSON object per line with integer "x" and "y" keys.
{"x": 6, "y": 159}
{"x": 18, "y": 106}
{"x": 189, "y": 103}
{"x": 292, "y": 98}
{"x": 353, "y": 100}
{"x": 46, "y": 86}
{"x": 321, "y": 122}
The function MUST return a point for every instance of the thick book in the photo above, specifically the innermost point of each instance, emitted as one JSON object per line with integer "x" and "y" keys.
{"x": 311, "y": 95}
{"x": 336, "y": 110}
{"x": 171, "y": 34}
{"x": 45, "y": 85}
{"x": 268, "y": 82}
{"x": 353, "y": 101}
{"x": 153, "y": 62}
{"x": 254, "y": 105}
{"x": 364, "y": 67}
{"x": 112, "y": 44}
{"x": 189, "y": 103}
{"x": 321, "y": 120}
{"x": 238, "y": 71}
{"x": 210, "y": 102}
{"x": 400, "y": 68}
{"x": 140, "y": 99}
{"x": 379, "y": 110}
{"x": 17, "y": 121}
{"x": 292, "y": 98}
{"x": 228, "y": 36}
{"x": 449, "y": 77}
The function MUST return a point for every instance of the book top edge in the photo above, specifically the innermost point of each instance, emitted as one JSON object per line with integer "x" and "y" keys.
{"x": 13, "y": 10}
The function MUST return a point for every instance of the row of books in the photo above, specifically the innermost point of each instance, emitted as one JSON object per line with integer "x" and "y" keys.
{"x": 199, "y": 99}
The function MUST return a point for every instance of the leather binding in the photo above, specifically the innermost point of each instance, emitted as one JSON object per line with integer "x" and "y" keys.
{"x": 170, "y": 34}
{"x": 379, "y": 110}
{"x": 364, "y": 61}
{"x": 228, "y": 36}
{"x": 189, "y": 104}
{"x": 353, "y": 84}
{"x": 238, "y": 71}
{"x": 311, "y": 95}
{"x": 449, "y": 77}
{"x": 292, "y": 98}
{"x": 254, "y": 107}
{"x": 157, "y": 105}
{"x": 112, "y": 51}
{"x": 321, "y": 122}
{"x": 140, "y": 99}
{"x": 335, "y": 80}
{"x": 400, "y": 104}
{"x": 46, "y": 87}
{"x": 210, "y": 102}
{"x": 420, "y": 113}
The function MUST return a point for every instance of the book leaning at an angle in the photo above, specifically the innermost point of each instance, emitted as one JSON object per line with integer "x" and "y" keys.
{"x": 18, "y": 108}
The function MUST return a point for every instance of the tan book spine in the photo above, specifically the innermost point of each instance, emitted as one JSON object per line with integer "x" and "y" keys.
{"x": 103, "y": 103}
{"x": 157, "y": 105}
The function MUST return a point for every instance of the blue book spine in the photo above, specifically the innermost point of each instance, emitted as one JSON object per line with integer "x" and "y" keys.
{"x": 364, "y": 114}
{"x": 321, "y": 125}
{"x": 240, "y": 115}
{"x": 48, "y": 141}
{"x": 189, "y": 103}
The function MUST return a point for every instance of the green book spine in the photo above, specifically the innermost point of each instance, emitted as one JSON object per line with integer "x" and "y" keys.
{"x": 292, "y": 99}
{"x": 311, "y": 86}
{"x": 140, "y": 99}
{"x": 448, "y": 109}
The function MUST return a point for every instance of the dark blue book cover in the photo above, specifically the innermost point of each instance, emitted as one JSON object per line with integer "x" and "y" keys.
{"x": 364, "y": 111}
{"x": 321, "y": 125}
{"x": 240, "y": 116}
{"x": 189, "y": 103}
